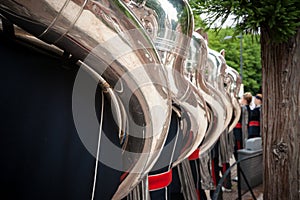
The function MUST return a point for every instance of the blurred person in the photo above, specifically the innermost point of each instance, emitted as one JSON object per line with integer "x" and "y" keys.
{"x": 254, "y": 118}
{"x": 241, "y": 129}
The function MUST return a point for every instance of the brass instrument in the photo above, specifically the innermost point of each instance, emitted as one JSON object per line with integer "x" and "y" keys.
{"x": 233, "y": 82}
{"x": 109, "y": 43}
{"x": 215, "y": 74}
{"x": 170, "y": 25}
{"x": 195, "y": 66}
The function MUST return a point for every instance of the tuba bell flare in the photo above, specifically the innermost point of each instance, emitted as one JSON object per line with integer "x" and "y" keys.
{"x": 107, "y": 38}
{"x": 170, "y": 25}
{"x": 215, "y": 76}
{"x": 233, "y": 88}
{"x": 195, "y": 66}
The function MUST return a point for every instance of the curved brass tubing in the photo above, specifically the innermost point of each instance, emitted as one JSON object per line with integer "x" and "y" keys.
{"x": 233, "y": 83}
{"x": 107, "y": 38}
{"x": 170, "y": 25}
{"x": 195, "y": 67}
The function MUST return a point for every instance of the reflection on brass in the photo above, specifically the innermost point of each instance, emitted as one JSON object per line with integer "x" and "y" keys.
{"x": 195, "y": 70}
{"x": 233, "y": 83}
{"x": 106, "y": 37}
{"x": 170, "y": 25}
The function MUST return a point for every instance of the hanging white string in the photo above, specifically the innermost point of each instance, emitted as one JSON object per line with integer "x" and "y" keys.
{"x": 98, "y": 145}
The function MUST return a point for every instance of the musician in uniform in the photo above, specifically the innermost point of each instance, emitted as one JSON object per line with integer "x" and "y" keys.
{"x": 241, "y": 129}
{"x": 254, "y": 118}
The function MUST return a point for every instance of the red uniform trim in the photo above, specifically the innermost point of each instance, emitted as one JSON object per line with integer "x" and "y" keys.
{"x": 213, "y": 172}
{"x": 194, "y": 155}
{"x": 198, "y": 194}
{"x": 224, "y": 168}
{"x": 254, "y": 123}
{"x": 159, "y": 181}
{"x": 123, "y": 176}
{"x": 238, "y": 144}
{"x": 238, "y": 125}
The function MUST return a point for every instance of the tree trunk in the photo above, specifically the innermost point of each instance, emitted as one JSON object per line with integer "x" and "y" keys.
{"x": 281, "y": 117}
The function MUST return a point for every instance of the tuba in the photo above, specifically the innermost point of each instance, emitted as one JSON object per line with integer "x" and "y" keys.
{"x": 195, "y": 66}
{"x": 226, "y": 146}
{"x": 233, "y": 83}
{"x": 215, "y": 73}
{"x": 170, "y": 25}
{"x": 110, "y": 44}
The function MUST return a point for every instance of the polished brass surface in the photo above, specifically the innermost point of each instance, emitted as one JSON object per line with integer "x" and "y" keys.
{"x": 215, "y": 74}
{"x": 170, "y": 25}
{"x": 233, "y": 82}
{"x": 106, "y": 36}
{"x": 195, "y": 68}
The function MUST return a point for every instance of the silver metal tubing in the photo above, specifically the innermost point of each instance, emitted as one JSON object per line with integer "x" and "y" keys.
{"x": 233, "y": 87}
{"x": 108, "y": 38}
{"x": 170, "y": 25}
{"x": 215, "y": 76}
{"x": 195, "y": 68}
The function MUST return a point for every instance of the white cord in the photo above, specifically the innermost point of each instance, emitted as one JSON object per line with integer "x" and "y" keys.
{"x": 98, "y": 146}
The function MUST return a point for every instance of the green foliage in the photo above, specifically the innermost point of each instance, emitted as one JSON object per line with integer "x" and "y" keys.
{"x": 199, "y": 22}
{"x": 281, "y": 19}
{"x": 251, "y": 55}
